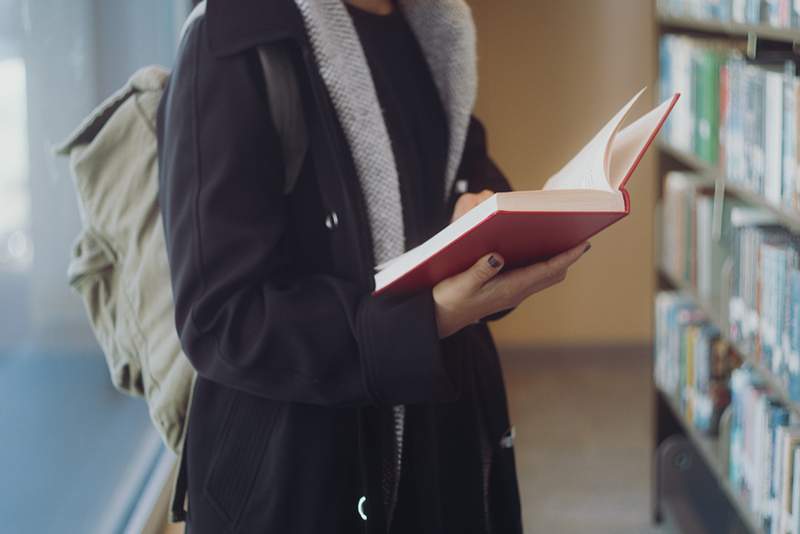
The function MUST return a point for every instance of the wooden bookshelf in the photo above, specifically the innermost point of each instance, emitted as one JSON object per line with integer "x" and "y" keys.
{"x": 708, "y": 448}
{"x": 668, "y": 416}
{"x": 729, "y": 29}
{"x": 787, "y": 218}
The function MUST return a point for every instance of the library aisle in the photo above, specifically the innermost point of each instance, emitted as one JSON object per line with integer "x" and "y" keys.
{"x": 583, "y": 442}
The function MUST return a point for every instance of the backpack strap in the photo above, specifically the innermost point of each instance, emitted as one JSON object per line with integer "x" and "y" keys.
{"x": 285, "y": 101}
{"x": 177, "y": 507}
{"x": 286, "y": 109}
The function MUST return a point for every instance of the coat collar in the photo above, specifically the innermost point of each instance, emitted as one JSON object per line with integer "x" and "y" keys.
{"x": 446, "y": 34}
{"x": 234, "y": 25}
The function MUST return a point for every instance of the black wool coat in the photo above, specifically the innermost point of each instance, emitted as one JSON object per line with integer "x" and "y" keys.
{"x": 298, "y": 365}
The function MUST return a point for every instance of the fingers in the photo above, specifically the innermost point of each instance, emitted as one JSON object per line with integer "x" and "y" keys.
{"x": 554, "y": 265}
{"x": 467, "y": 201}
{"x": 463, "y": 202}
{"x": 481, "y": 272}
{"x": 516, "y": 285}
{"x": 565, "y": 259}
{"x": 545, "y": 283}
{"x": 480, "y": 290}
{"x": 483, "y": 195}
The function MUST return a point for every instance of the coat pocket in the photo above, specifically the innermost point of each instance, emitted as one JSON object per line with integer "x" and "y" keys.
{"x": 239, "y": 451}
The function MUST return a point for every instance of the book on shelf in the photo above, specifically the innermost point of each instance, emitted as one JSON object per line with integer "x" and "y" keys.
{"x": 763, "y": 303}
{"x": 692, "y": 362}
{"x": 690, "y": 253}
{"x": 587, "y": 195}
{"x": 764, "y": 453}
{"x": 787, "y": 444}
{"x": 761, "y": 297}
{"x": 741, "y": 117}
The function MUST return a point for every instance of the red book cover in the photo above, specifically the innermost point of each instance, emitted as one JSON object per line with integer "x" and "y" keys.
{"x": 520, "y": 238}
{"x": 531, "y": 226}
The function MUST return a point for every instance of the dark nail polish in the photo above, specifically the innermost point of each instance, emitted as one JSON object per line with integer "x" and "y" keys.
{"x": 494, "y": 263}
{"x": 588, "y": 246}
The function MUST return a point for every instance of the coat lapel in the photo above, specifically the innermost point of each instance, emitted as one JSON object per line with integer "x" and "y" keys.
{"x": 446, "y": 35}
{"x": 344, "y": 70}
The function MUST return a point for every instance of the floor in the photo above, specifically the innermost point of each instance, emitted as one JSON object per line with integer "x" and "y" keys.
{"x": 583, "y": 427}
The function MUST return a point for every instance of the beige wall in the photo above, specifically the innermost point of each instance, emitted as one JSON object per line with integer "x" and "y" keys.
{"x": 552, "y": 72}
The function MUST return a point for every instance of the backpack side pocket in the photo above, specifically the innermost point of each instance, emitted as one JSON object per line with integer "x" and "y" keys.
{"x": 93, "y": 276}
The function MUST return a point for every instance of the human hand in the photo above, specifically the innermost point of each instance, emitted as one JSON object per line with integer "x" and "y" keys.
{"x": 480, "y": 291}
{"x": 467, "y": 201}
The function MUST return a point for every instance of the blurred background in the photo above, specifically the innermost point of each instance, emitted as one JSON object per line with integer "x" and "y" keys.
{"x": 77, "y": 456}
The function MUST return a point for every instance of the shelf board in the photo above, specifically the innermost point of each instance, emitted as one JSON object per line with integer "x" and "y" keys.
{"x": 789, "y": 219}
{"x": 708, "y": 447}
{"x": 773, "y": 383}
{"x": 690, "y": 160}
{"x": 730, "y": 29}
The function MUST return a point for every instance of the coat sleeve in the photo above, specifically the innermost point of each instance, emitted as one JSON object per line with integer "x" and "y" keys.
{"x": 244, "y": 317}
{"x": 477, "y": 168}
{"x": 480, "y": 172}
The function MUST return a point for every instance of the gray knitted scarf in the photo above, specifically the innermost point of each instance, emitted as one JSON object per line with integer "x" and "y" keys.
{"x": 446, "y": 34}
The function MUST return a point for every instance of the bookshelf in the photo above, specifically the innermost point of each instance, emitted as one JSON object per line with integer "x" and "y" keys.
{"x": 669, "y": 418}
{"x": 734, "y": 30}
{"x": 775, "y": 386}
{"x": 710, "y": 451}
{"x": 787, "y": 218}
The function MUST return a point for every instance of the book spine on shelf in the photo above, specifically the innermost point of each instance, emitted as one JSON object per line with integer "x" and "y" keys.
{"x": 774, "y": 13}
{"x": 692, "y": 363}
{"x": 763, "y": 306}
{"x": 737, "y": 117}
{"x": 764, "y": 445}
{"x": 789, "y": 135}
{"x": 773, "y": 131}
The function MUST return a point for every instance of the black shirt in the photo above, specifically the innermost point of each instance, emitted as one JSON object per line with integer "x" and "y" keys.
{"x": 414, "y": 117}
{"x": 417, "y": 126}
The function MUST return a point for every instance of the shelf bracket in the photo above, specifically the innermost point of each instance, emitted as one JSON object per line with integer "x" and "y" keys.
{"x": 752, "y": 45}
{"x": 719, "y": 200}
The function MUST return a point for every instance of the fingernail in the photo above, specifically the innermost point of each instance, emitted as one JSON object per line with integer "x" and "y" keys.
{"x": 494, "y": 263}
{"x": 588, "y": 246}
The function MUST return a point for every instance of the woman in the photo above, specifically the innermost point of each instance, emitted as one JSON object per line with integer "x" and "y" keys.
{"x": 319, "y": 407}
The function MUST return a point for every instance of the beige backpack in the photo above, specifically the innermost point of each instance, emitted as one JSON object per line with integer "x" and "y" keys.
{"x": 119, "y": 261}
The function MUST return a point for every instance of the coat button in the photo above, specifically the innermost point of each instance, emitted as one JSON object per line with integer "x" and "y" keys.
{"x": 360, "y": 507}
{"x": 331, "y": 220}
{"x": 507, "y": 441}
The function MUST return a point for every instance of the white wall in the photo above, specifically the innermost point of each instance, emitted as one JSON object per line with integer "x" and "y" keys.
{"x": 76, "y": 54}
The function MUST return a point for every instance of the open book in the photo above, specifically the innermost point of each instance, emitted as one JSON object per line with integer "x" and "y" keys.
{"x": 584, "y": 197}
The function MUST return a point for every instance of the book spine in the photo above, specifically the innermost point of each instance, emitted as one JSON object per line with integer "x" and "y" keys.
{"x": 789, "y": 136}
{"x": 773, "y": 128}
{"x": 795, "y": 515}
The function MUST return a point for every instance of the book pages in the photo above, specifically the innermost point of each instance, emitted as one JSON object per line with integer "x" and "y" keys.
{"x": 589, "y": 168}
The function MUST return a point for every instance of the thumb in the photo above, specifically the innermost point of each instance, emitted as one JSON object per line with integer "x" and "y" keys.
{"x": 483, "y": 270}
{"x": 483, "y": 195}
